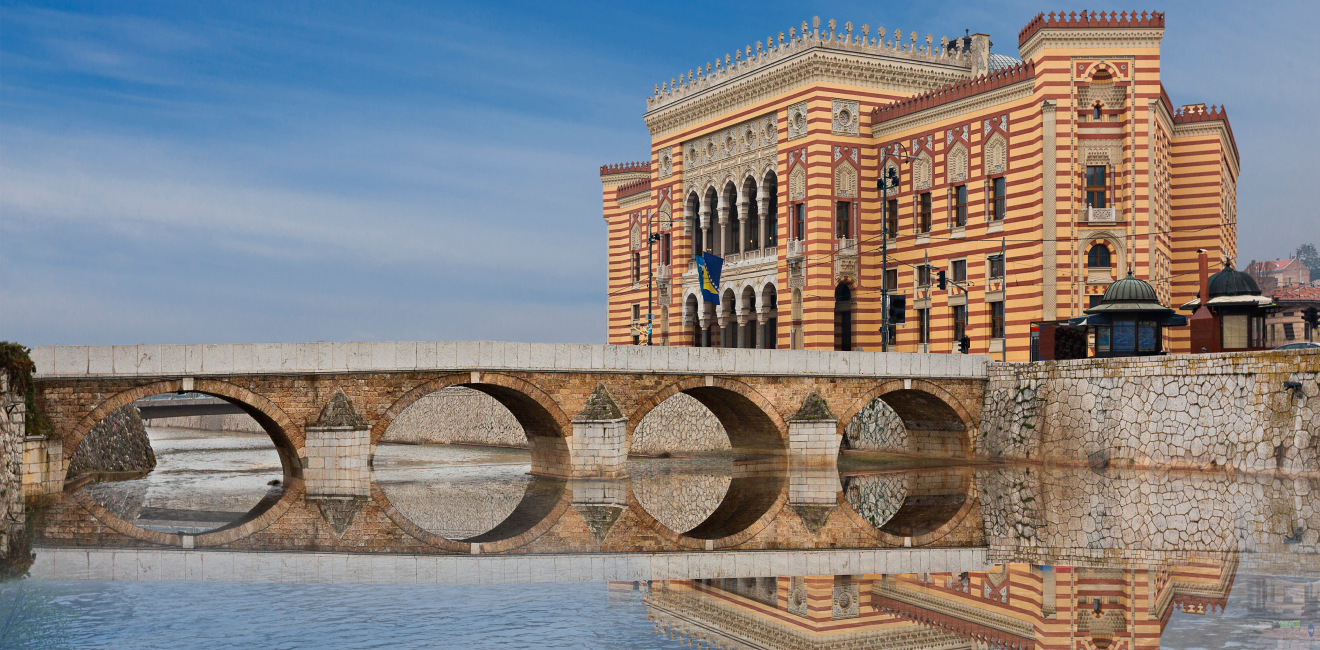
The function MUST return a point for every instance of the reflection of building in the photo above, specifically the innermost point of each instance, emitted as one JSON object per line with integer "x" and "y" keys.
{"x": 1011, "y": 606}
{"x": 770, "y": 159}
{"x": 1289, "y": 608}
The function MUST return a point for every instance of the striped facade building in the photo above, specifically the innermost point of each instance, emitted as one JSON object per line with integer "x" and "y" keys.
{"x": 1032, "y": 183}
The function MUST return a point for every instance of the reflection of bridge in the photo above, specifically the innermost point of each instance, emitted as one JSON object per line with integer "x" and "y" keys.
{"x": 326, "y": 406}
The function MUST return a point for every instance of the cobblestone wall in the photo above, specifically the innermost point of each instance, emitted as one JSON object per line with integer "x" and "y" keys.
{"x": 457, "y": 510}
{"x": 679, "y": 423}
{"x": 234, "y": 422}
{"x": 457, "y": 414}
{"x": 118, "y": 443}
{"x": 11, "y": 464}
{"x": 1220, "y": 410}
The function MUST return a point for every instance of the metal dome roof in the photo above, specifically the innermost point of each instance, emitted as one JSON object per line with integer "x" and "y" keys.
{"x": 1131, "y": 294}
{"x": 1000, "y": 62}
{"x": 1231, "y": 282}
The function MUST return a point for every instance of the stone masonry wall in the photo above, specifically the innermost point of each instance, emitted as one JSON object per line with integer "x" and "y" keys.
{"x": 11, "y": 464}
{"x": 1206, "y": 410}
{"x": 240, "y": 423}
{"x": 118, "y": 443}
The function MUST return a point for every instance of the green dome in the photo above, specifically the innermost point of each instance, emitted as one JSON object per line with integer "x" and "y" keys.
{"x": 1131, "y": 294}
{"x": 1231, "y": 282}
{"x": 1130, "y": 289}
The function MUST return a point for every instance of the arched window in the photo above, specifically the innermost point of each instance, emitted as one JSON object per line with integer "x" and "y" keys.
{"x": 1098, "y": 257}
{"x": 1095, "y": 114}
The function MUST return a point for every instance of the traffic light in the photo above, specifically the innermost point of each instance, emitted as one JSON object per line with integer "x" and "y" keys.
{"x": 1311, "y": 316}
{"x": 965, "y": 344}
{"x": 898, "y": 309}
{"x": 944, "y": 283}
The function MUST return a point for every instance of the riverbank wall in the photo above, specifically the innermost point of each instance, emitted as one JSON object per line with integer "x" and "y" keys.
{"x": 118, "y": 443}
{"x": 1251, "y": 411}
{"x": 11, "y": 463}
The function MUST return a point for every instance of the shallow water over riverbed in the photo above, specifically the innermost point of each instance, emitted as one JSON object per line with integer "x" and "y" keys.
{"x": 1076, "y": 557}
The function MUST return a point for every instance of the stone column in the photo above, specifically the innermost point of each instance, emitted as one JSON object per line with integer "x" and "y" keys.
{"x": 742, "y": 224}
{"x": 763, "y": 322}
{"x": 724, "y": 330}
{"x": 762, "y": 205}
{"x": 705, "y": 226}
{"x": 1049, "y": 206}
{"x": 599, "y": 443}
{"x": 724, "y": 228}
{"x": 742, "y": 330}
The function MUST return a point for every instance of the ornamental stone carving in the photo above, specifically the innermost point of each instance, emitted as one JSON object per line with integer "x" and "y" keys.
{"x": 956, "y": 164}
{"x": 921, "y": 171}
{"x": 847, "y": 117}
{"x": 996, "y": 155}
{"x": 845, "y": 181}
{"x": 666, "y": 216}
{"x": 797, "y": 184}
{"x": 730, "y": 154}
{"x": 797, "y": 120}
{"x": 666, "y": 162}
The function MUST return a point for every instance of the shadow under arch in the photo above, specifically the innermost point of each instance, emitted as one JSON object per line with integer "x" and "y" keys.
{"x": 758, "y": 436}
{"x": 287, "y": 438}
{"x": 544, "y": 423}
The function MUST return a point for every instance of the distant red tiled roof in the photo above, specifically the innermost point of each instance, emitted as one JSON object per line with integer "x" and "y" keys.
{"x": 967, "y": 88}
{"x": 1270, "y": 266}
{"x": 1300, "y": 292}
{"x": 1085, "y": 19}
{"x": 623, "y": 168}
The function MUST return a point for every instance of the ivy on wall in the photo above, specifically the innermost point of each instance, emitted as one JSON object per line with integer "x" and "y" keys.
{"x": 15, "y": 360}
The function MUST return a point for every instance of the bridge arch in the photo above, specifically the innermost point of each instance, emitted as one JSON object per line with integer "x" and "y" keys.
{"x": 758, "y": 436}
{"x": 937, "y": 422}
{"x": 930, "y": 503}
{"x": 287, "y": 438}
{"x": 545, "y": 425}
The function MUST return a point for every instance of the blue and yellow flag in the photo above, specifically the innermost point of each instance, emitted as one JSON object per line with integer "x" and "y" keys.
{"x": 708, "y": 271}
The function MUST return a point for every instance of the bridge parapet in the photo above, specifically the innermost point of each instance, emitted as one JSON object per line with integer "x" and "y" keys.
{"x": 322, "y": 358}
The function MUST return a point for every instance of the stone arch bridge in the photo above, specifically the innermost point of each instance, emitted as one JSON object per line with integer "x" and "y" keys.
{"x": 326, "y": 405}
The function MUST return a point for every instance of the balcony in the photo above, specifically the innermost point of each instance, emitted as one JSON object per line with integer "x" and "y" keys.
{"x": 1099, "y": 275}
{"x": 845, "y": 246}
{"x": 796, "y": 249}
{"x": 1101, "y": 215}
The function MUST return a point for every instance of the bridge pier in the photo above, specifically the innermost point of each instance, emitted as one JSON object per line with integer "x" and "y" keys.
{"x": 813, "y": 434}
{"x": 599, "y": 444}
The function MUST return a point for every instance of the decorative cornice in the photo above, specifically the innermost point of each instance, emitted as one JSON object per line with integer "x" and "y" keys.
{"x": 889, "y": 588}
{"x": 979, "y": 102}
{"x": 808, "y": 66}
{"x": 1089, "y": 19}
{"x": 1092, "y": 39}
{"x": 635, "y": 199}
{"x": 1199, "y": 113}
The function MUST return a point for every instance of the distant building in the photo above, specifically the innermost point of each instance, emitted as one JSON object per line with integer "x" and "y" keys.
{"x": 1279, "y": 273}
{"x": 1032, "y": 184}
{"x": 1285, "y": 325}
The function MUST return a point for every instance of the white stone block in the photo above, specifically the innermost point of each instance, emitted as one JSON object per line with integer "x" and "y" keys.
{"x": 244, "y": 357}
{"x": 742, "y": 361}
{"x": 563, "y": 356}
{"x": 781, "y": 361}
{"x": 266, "y": 357}
{"x": 44, "y": 358}
{"x": 579, "y": 356}
{"x": 100, "y": 360}
{"x": 71, "y": 360}
{"x": 192, "y": 359}
{"x": 446, "y": 355}
{"x": 761, "y": 361}
{"x": 540, "y": 356}
{"x": 426, "y": 356}
{"x": 383, "y": 356}
{"x": 217, "y": 359}
{"x": 490, "y": 354}
{"x": 359, "y": 356}
{"x": 324, "y": 355}
{"x": 610, "y": 358}
{"x": 728, "y": 360}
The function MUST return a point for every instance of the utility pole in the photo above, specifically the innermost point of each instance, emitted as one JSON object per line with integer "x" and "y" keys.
{"x": 650, "y": 281}
{"x": 888, "y": 177}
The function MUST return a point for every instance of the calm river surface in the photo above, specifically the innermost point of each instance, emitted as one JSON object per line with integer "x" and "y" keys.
{"x": 1211, "y": 595}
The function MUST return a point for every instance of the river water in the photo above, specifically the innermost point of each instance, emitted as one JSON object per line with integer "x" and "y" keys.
{"x": 1204, "y": 598}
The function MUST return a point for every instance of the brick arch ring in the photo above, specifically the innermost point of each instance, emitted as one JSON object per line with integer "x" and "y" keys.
{"x": 960, "y": 410}
{"x": 524, "y": 400}
{"x": 752, "y": 502}
{"x": 286, "y": 436}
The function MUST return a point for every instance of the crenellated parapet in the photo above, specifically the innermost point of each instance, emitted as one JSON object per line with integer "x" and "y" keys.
{"x": 1089, "y": 19}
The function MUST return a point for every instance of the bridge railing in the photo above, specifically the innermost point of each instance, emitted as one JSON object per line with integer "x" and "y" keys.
{"x": 461, "y": 356}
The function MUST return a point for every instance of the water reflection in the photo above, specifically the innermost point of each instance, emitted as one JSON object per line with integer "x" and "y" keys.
{"x": 1006, "y": 606}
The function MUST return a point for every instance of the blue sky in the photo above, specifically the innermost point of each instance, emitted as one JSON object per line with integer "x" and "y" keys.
{"x": 246, "y": 172}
